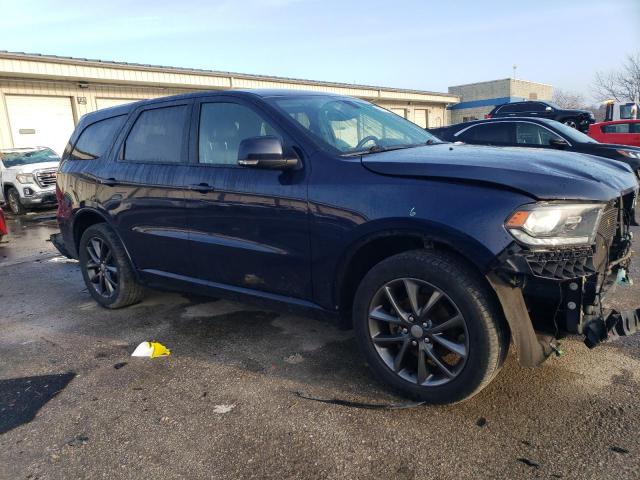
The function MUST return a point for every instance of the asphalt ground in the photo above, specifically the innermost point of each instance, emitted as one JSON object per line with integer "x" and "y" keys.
{"x": 75, "y": 404}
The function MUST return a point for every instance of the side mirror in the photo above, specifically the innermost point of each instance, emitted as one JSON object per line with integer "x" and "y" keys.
{"x": 548, "y": 109}
{"x": 558, "y": 143}
{"x": 264, "y": 152}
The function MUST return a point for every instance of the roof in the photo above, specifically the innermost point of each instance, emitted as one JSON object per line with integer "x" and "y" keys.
{"x": 108, "y": 64}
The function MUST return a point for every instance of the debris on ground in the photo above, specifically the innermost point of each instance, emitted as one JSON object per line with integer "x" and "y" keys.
{"x": 118, "y": 366}
{"x": 151, "y": 350}
{"x": 223, "y": 408}
{"x": 528, "y": 462}
{"x": 619, "y": 449}
{"x": 481, "y": 422}
{"x": 363, "y": 405}
{"x": 294, "y": 359}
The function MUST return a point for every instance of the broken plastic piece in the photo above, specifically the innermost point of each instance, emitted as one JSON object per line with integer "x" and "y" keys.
{"x": 151, "y": 350}
{"x": 623, "y": 278}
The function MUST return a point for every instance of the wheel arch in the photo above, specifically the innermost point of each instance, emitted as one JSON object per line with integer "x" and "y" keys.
{"x": 86, "y": 217}
{"x": 374, "y": 247}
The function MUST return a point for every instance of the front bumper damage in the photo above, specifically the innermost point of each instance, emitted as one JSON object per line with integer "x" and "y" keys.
{"x": 549, "y": 294}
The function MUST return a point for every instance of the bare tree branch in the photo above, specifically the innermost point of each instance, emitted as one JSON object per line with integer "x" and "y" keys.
{"x": 622, "y": 85}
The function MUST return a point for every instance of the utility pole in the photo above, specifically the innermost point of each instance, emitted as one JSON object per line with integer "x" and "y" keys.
{"x": 514, "y": 70}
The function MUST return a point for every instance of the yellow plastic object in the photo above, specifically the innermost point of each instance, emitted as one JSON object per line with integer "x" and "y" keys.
{"x": 151, "y": 350}
{"x": 159, "y": 350}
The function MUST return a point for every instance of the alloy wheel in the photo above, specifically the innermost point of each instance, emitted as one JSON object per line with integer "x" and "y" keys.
{"x": 571, "y": 123}
{"x": 102, "y": 270}
{"x": 418, "y": 332}
{"x": 13, "y": 203}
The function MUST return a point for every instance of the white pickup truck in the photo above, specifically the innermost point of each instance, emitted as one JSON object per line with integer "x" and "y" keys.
{"x": 28, "y": 178}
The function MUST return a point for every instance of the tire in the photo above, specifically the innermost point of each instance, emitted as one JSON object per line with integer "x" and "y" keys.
{"x": 571, "y": 122}
{"x": 15, "y": 204}
{"x": 106, "y": 270}
{"x": 479, "y": 342}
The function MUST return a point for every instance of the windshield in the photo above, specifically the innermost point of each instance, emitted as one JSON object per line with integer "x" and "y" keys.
{"x": 27, "y": 157}
{"x": 573, "y": 134}
{"x": 349, "y": 126}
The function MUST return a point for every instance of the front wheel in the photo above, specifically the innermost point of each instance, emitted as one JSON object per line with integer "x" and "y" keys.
{"x": 15, "y": 204}
{"x": 430, "y": 327}
{"x": 106, "y": 269}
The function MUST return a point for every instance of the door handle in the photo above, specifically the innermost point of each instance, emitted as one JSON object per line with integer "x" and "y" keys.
{"x": 109, "y": 182}
{"x": 201, "y": 187}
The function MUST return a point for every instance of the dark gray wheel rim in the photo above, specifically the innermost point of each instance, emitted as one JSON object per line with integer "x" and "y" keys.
{"x": 14, "y": 202}
{"x": 570, "y": 123}
{"x": 418, "y": 332}
{"x": 102, "y": 270}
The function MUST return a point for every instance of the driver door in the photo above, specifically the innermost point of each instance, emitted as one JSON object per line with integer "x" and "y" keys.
{"x": 248, "y": 227}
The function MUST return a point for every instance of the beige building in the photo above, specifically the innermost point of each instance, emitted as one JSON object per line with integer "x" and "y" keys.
{"x": 42, "y": 97}
{"x": 478, "y": 99}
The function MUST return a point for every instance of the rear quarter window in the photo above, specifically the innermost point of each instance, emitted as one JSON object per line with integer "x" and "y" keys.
{"x": 96, "y": 139}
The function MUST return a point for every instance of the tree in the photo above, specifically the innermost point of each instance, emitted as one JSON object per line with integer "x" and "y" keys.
{"x": 566, "y": 99}
{"x": 621, "y": 85}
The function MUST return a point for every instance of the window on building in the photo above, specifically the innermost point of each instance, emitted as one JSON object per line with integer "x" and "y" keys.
{"x": 224, "y": 125}
{"x": 158, "y": 135}
{"x": 532, "y": 134}
{"x": 488, "y": 134}
{"x": 96, "y": 139}
{"x": 533, "y": 96}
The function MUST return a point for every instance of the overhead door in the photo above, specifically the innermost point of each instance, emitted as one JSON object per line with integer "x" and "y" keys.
{"x": 113, "y": 102}
{"x": 40, "y": 121}
{"x": 420, "y": 117}
{"x": 399, "y": 111}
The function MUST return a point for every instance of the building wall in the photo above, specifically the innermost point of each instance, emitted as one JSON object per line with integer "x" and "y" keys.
{"x": 86, "y": 81}
{"x": 478, "y": 99}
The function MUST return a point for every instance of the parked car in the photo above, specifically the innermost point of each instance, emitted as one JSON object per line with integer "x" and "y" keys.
{"x": 579, "y": 119}
{"x": 3, "y": 225}
{"x": 538, "y": 133}
{"x": 437, "y": 253}
{"x": 622, "y": 132}
{"x": 28, "y": 178}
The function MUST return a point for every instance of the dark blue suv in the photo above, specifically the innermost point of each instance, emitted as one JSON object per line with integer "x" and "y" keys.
{"x": 438, "y": 254}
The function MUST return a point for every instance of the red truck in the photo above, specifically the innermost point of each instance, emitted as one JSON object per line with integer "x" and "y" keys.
{"x": 620, "y": 132}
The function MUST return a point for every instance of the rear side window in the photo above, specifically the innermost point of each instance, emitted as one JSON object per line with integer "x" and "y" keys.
{"x": 158, "y": 135}
{"x": 509, "y": 108}
{"x": 488, "y": 134}
{"x": 96, "y": 139}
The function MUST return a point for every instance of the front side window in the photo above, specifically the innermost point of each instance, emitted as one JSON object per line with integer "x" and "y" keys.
{"x": 537, "y": 107}
{"x": 350, "y": 126}
{"x": 532, "y": 134}
{"x": 509, "y": 108}
{"x": 158, "y": 135}
{"x": 223, "y": 126}
{"x": 488, "y": 134}
{"x": 96, "y": 139}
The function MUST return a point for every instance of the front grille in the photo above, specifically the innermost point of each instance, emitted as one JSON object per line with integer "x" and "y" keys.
{"x": 564, "y": 264}
{"x": 45, "y": 178}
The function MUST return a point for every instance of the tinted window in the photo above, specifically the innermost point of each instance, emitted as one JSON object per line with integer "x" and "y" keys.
{"x": 223, "y": 126}
{"x": 158, "y": 135}
{"x": 509, "y": 108}
{"x": 96, "y": 139}
{"x": 532, "y": 134}
{"x": 536, "y": 107}
{"x": 621, "y": 128}
{"x": 489, "y": 134}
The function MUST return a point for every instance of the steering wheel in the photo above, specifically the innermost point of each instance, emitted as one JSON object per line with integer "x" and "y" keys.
{"x": 362, "y": 142}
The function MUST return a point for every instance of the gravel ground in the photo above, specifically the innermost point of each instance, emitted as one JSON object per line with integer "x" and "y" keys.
{"x": 74, "y": 404}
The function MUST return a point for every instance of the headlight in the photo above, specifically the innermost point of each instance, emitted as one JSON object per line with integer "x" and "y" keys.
{"x": 24, "y": 178}
{"x": 556, "y": 224}
{"x": 629, "y": 153}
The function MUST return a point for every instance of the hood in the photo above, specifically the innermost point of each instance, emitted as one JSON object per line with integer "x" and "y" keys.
{"x": 634, "y": 162}
{"x": 541, "y": 174}
{"x": 30, "y": 168}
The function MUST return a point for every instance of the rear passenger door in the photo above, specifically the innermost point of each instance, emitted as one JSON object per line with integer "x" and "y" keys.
{"x": 143, "y": 187}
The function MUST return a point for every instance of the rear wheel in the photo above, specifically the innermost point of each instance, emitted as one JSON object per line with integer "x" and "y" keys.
{"x": 429, "y": 326}
{"x": 571, "y": 122}
{"x": 15, "y": 204}
{"x": 106, "y": 269}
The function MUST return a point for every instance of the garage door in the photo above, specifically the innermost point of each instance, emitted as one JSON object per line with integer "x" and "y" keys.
{"x": 113, "y": 102}
{"x": 399, "y": 111}
{"x": 420, "y": 117}
{"x": 40, "y": 121}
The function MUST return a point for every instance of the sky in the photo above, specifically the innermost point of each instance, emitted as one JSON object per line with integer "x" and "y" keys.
{"x": 425, "y": 45}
